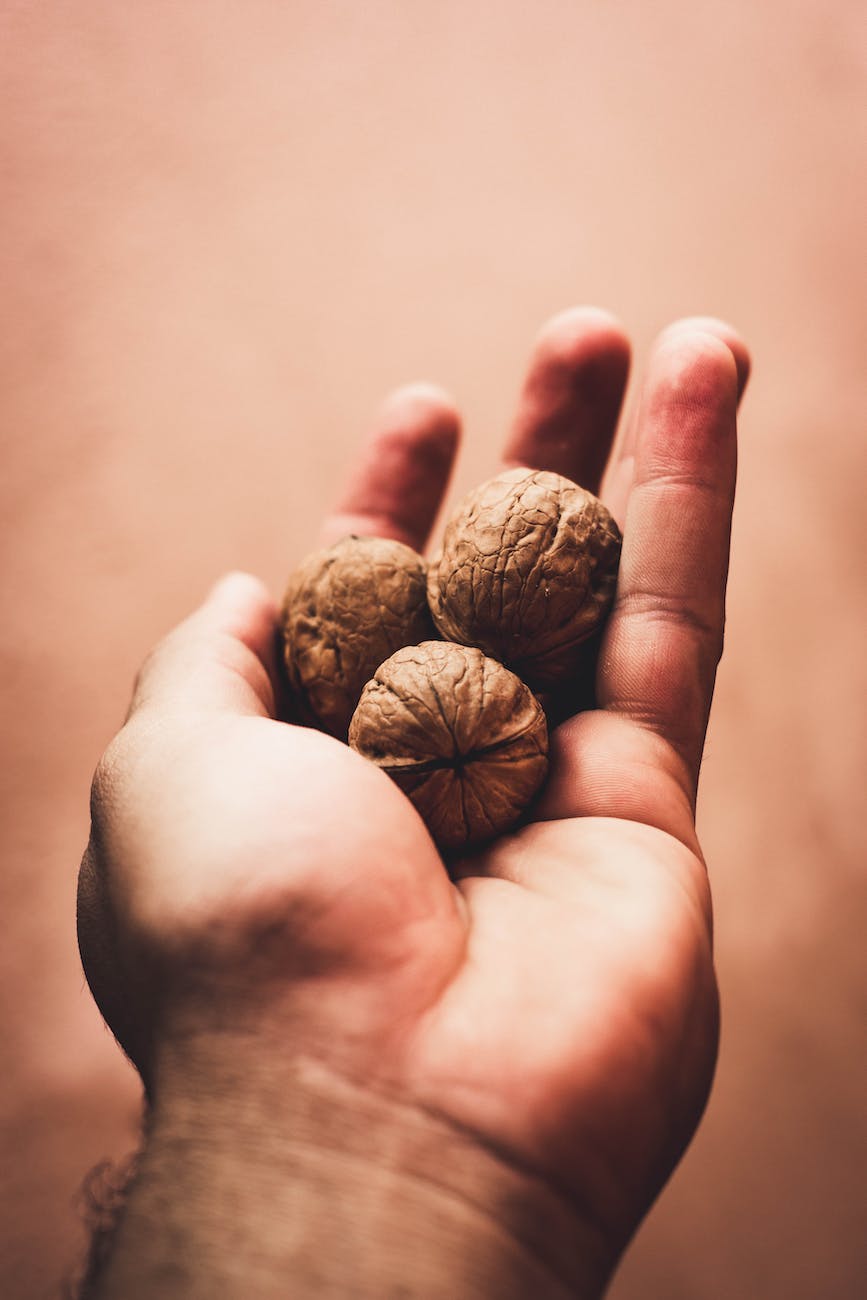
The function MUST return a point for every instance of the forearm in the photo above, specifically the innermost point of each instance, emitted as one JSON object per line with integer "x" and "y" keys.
{"x": 321, "y": 1189}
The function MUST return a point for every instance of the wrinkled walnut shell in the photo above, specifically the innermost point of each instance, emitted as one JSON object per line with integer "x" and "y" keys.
{"x": 462, "y": 736}
{"x": 527, "y": 572}
{"x": 346, "y": 609}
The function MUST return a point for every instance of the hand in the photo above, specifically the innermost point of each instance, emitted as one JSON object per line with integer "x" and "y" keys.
{"x": 262, "y": 913}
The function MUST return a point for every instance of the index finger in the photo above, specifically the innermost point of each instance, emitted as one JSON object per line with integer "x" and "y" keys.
{"x": 664, "y": 639}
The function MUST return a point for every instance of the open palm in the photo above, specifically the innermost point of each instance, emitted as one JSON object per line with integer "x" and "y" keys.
{"x": 555, "y": 999}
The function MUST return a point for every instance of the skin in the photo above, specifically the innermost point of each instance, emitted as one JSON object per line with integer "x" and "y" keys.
{"x": 275, "y": 941}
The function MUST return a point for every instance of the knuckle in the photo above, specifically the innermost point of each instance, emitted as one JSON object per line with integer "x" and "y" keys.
{"x": 674, "y": 613}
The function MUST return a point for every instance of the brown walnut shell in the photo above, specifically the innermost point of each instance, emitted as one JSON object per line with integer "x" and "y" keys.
{"x": 527, "y": 572}
{"x": 462, "y": 736}
{"x": 346, "y": 609}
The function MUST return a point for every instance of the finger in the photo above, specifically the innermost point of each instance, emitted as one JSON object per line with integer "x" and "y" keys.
{"x": 618, "y": 479}
{"x": 221, "y": 658}
{"x": 398, "y": 486}
{"x": 570, "y": 403}
{"x": 664, "y": 638}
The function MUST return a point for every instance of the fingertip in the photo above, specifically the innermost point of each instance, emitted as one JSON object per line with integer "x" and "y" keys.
{"x": 719, "y": 329}
{"x": 240, "y": 590}
{"x": 571, "y": 398}
{"x": 241, "y": 605}
{"x": 421, "y": 393}
{"x": 579, "y": 335}
{"x": 398, "y": 485}
{"x": 424, "y": 413}
{"x": 694, "y": 365}
{"x": 222, "y": 656}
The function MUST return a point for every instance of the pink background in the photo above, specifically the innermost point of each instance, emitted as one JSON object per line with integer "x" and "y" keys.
{"x": 228, "y": 229}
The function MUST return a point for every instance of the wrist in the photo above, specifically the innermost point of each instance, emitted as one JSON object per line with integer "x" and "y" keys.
{"x": 308, "y": 1184}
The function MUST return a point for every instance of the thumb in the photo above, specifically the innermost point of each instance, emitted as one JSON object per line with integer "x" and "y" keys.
{"x": 221, "y": 658}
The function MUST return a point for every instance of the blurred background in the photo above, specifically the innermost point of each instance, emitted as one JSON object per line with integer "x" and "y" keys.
{"x": 227, "y": 230}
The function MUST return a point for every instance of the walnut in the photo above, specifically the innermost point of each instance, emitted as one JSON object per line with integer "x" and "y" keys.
{"x": 527, "y": 572}
{"x": 462, "y": 736}
{"x": 346, "y": 609}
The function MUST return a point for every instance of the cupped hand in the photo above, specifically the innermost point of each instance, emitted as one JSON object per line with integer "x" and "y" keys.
{"x": 257, "y": 884}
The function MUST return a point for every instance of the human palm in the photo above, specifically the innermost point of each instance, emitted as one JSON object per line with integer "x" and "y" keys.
{"x": 552, "y": 996}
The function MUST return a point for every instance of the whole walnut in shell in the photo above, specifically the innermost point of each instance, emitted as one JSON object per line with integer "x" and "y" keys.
{"x": 527, "y": 572}
{"x": 346, "y": 609}
{"x": 462, "y": 736}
